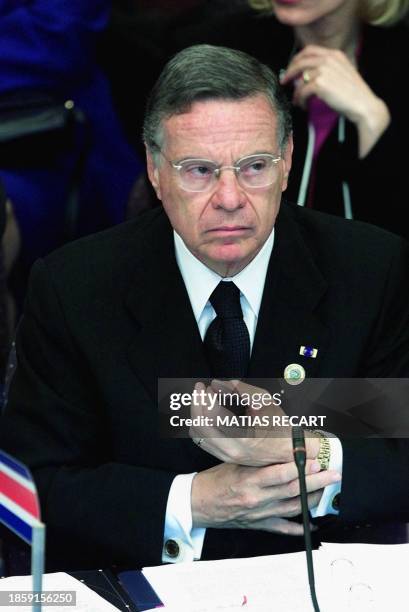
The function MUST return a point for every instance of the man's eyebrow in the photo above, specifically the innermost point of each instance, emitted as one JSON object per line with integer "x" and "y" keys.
{"x": 200, "y": 158}
{"x": 196, "y": 157}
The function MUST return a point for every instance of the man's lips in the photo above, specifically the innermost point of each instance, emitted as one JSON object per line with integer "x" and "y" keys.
{"x": 229, "y": 229}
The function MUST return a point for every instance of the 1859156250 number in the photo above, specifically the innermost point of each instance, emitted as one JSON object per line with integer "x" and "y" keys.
{"x": 55, "y": 598}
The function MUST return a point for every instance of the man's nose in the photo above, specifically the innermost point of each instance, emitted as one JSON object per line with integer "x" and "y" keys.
{"x": 228, "y": 193}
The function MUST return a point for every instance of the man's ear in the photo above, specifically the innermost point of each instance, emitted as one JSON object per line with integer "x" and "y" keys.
{"x": 287, "y": 156}
{"x": 153, "y": 173}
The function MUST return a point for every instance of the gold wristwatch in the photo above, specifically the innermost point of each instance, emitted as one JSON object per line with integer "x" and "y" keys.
{"x": 324, "y": 454}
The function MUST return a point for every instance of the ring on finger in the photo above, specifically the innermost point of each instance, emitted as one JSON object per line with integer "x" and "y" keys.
{"x": 306, "y": 77}
{"x": 199, "y": 442}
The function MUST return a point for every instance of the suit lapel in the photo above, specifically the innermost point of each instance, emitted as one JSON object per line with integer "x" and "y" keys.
{"x": 167, "y": 342}
{"x": 289, "y": 315}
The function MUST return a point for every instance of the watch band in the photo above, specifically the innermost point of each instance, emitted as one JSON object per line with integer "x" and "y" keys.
{"x": 324, "y": 454}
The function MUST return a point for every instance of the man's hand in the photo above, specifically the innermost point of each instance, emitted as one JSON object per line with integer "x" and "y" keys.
{"x": 242, "y": 497}
{"x": 333, "y": 78}
{"x": 256, "y": 446}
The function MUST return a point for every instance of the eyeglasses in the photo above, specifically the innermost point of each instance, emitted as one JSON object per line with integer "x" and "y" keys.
{"x": 253, "y": 171}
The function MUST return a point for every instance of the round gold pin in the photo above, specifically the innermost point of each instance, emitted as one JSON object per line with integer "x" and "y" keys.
{"x": 294, "y": 374}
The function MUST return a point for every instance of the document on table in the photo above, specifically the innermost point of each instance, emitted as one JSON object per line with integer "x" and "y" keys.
{"x": 353, "y": 577}
{"x": 365, "y": 576}
{"x": 86, "y": 599}
{"x": 234, "y": 584}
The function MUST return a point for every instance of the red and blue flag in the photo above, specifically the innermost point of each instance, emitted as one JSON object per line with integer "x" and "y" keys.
{"x": 19, "y": 505}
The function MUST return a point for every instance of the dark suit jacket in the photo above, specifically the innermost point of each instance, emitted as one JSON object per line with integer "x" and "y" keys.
{"x": 109, "y": 314}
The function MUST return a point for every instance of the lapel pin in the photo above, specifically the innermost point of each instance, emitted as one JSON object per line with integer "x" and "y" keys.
{"x": 294, "y": 374}
{"x": 308, "y": 351}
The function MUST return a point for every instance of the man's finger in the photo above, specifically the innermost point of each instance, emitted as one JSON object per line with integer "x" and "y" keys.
{"x": 283, "y": 526}
{"x": 283, "y": 473}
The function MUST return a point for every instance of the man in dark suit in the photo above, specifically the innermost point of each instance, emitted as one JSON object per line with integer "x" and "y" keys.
{"x": 109, "y": 315}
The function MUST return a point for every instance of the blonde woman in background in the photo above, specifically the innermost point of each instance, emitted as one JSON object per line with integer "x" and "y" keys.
{"x": 345, "y": 64}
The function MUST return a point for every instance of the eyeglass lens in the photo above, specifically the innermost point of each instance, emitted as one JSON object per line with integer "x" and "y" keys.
{"x": 252, "y": 171}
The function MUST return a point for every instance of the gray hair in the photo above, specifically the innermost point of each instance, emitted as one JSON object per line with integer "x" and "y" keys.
{"x": 207, "y": 72}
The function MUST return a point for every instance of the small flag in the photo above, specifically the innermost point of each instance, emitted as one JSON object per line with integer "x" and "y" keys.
{"x": 20, "y": 512}
{"x": 308, "y": 351}
{"x": 19, "y": 505}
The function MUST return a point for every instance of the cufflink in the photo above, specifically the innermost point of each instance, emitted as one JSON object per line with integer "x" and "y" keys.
{"x": 171, "y": 549}
{"x": 336, "y": 501}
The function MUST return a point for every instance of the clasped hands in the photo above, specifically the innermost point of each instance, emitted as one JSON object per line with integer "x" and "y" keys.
{"x": 256, "y": 484}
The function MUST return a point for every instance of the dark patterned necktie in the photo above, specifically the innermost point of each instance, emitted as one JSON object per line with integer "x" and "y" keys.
{"x": 227, "y": 341}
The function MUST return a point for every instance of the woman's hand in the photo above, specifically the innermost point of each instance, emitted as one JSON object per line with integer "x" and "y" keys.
{"x": 332, "y": 77}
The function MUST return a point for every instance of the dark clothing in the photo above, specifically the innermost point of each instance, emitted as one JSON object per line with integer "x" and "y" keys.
{"x": 100, "y": 328}
{"x": 4, "y": 335}
{"x": 138, "y": 42}
{"x": 2, "y": 211}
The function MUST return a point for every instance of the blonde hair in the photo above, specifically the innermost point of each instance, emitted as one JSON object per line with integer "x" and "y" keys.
{"x": 383, "y": 12}
{"x": 264, "y": 6}
{"x": 375, "y": 12}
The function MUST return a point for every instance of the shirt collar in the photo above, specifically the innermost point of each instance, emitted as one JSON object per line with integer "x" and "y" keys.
{"x": 200, "y": 281}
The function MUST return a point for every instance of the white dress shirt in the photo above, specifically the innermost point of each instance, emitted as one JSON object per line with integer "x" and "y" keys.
{"x": 200, "y": 283}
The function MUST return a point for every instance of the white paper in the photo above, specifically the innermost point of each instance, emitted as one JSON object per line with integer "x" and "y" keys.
{"x": 366, "y": 576}
{"x": 86, "y": 599}
{"x": 239, "y": 584}
{"x": 348, "y": 577}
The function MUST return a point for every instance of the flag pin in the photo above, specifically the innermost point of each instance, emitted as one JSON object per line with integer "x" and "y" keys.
{"x": 308, "y": 351}
{"x": 294, "y": 374}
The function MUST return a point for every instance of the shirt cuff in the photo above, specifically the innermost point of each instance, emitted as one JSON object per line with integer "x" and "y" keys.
{"x": 327, "y": 505}
{"x": 181, "y": 542}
